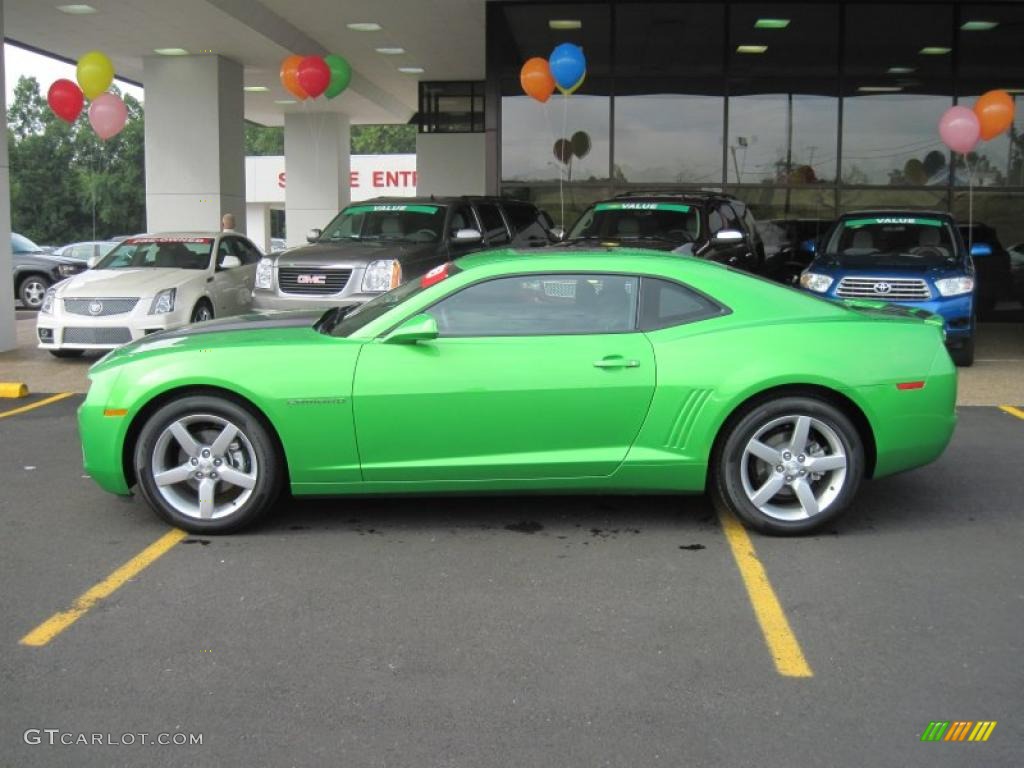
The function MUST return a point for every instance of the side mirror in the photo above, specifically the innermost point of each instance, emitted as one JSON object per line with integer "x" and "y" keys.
{"x": 467, "y": 236}
{"x": 981, "y": 249}
{"x": 229, "y": 262}
{"x": 416, "y": 328}
{"x": 92, "y": 261}
{"x": 313, "y": 235}
{"x": 558, "y": 233}
{"x": 809, "y": 246}
{"x": 728, "y": 236}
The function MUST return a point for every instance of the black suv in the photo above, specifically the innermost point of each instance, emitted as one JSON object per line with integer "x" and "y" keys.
{"x": 35, "y": 270}
{"x": 374, "y": 246}
{"x": 709, "y": 225}
{"x": 991, "y": 265}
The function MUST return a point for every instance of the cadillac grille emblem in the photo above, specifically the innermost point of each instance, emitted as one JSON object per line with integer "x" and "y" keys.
{"x": 883, "y": 288}
{"x": 96, "y": 307}
{"x": 312, "y": 279}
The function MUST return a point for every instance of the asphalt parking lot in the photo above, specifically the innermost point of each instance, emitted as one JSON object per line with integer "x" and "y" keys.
{"x": 553, "y": 631}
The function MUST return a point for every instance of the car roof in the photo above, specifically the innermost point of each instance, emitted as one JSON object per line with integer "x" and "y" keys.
{"x": 188, "y": 233}
{"x": 440, "y": 200}
{"x": 694, "y": 195}
{"x": 895, "y": 212}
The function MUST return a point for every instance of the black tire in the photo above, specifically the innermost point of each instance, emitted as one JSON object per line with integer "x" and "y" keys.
{"x": 728, "y": 467}
{"x": 963, "y": 356}
{"x": 264, "y": 464}
{"x": 31, "y": 289}
{"x": 67, "y": 353}
{"x": 202, "y": 311}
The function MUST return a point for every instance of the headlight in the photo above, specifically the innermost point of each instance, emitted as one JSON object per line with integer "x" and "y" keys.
{"x": 812, "y": 281}
{"x": 48, "y": 299}
{"x": 163, "y": 302}
{"x": 265, "y": 274}
{"x": 382, "y": 276}
{"x": 67, "y": 270}
{"x": 955, "y": 286}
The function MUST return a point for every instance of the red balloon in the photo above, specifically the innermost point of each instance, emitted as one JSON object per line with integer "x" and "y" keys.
{"x": 314, "y": 75}
{"x": 66, "y": 100}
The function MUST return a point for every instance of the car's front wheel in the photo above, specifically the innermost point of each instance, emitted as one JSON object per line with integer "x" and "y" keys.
{"x": 208, "y": 465}
{"x": 788, "y": 466}
{"x": 31, "y": 291}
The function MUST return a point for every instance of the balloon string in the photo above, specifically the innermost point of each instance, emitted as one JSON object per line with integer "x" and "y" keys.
{"x": 92, "y": 188}
{"x": 565, "y": 127}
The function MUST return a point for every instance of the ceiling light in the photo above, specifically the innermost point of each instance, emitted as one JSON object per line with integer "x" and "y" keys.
{"x": 411, "y": 70}
{"x": 564, "y": 24}
{"x": 880, "y": 88}
{"x": 364, "y": 26}
{"x": 171, "y": 51}
{"x": 390, "y": 51}
{"x": 255, "y": 88}
{"x": 77, "y": 9}
{"x": 934, "y": 50}
{"x": 751, "y": 48}
{"x": 771, "y": 23}
{"x": 901, "y": 70}
{"x": 976, "y": 25}
{"x": 285, "y": 101}
{"x": 1014, "y": 90}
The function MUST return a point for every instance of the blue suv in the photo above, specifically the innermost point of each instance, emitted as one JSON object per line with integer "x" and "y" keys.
{"x": 912, "y": 258}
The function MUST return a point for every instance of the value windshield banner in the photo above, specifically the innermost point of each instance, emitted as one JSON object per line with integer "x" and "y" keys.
{"x": 642, "y": 207}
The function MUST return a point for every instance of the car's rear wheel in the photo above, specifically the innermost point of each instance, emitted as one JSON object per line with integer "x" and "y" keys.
{"x": 202, "y": 312}
{"x": 208, "y": 465}
{"x": 31, "y": 291}
{"x": 788, "y": 466}
{"x": 67, "y": 353}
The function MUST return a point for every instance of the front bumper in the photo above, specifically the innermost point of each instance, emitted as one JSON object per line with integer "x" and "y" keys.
{"x": 103, "y": 436}
{"x": 64, "y": 330}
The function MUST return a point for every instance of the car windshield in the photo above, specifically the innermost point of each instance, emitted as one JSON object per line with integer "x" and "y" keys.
{"x": 411, "y": 223}
{"x": 670, "y": 222}
{"x": 160, "y": 252}
{"x": 892, "y": 241}
{"x": 347, "y": 320}
{"x": 21, "y": 244}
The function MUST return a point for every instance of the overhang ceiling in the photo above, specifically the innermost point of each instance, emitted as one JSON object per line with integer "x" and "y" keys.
{"x": 444, "y": 37}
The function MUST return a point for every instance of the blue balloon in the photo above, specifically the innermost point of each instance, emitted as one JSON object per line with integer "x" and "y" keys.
{"x": 567, "y": 64}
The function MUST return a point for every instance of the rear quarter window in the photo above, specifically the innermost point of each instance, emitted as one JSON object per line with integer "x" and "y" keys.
{"x": 664, "y": 304}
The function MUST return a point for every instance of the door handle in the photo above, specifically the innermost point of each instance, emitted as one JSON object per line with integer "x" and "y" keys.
{"x": 616, "y": 362}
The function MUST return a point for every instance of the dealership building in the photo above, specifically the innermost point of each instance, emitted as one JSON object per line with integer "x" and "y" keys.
{"x": 804, "y": 110}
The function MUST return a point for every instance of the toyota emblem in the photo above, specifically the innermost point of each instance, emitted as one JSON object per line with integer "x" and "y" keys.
{"x": 96, "y": 307}
{"x": 883, "y": 287}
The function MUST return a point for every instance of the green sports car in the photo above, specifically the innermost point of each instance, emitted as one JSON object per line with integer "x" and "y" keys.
{"x": 610, "y": 371}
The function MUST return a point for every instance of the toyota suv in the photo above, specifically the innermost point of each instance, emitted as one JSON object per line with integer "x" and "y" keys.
{"x": 708, "y": 225}
{"x": 913, "y": 258}
{"x": 374, "y": 246}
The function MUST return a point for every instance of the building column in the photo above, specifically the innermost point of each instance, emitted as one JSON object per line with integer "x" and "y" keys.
{"x": 317, "y": 161}
{"x": 195, "y": 142}
{"x": 257, "y": 224}
{"x": 8, "y": 329}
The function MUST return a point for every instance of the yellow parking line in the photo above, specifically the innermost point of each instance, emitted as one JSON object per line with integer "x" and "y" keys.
{"x": 782, "y": 643}
{"x": 36, "y": 404}
{"x": 57, "y": 623}
{"x": 1013, "y": 411}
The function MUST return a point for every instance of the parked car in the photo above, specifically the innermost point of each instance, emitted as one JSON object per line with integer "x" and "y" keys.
{"x": 277, "y": 244}
{"x": 789, "y": 246}
{"x": 991, "y": 265}
{"x": 147, "y": 284}
{"x": 35, "y": 270}
{"x": 504, "y": 372}
{"x": 913, "y": 258}
{"x": 374, "y": 246}
{"x": 710, "y": 226}
{"x": 1017, "y": 270}
{"x": 84, "y": 251}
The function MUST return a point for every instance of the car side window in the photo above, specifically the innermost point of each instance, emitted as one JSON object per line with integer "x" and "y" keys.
{"x": 540, "y": 305}
{"x": 729, "y": 218}
{"x": 246, "y": 251}
{"x": 664, "y": 304}
{"x": 527, "y": 224}
{"x": 226, "y": 247}
{"x": 715, "y": 221}
{"x": 461, "y": 218}
{"x": 495, "y": 231}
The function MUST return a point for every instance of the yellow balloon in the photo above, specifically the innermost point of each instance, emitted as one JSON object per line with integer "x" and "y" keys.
{"x": 95, "y": 73}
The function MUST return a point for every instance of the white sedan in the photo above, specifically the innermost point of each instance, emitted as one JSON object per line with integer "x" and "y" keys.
{"x": 148, "y": 283}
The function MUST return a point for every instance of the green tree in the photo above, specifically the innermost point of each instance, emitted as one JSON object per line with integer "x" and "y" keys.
{"x": 383, "y": 139}
{"x": 263, "y": 139}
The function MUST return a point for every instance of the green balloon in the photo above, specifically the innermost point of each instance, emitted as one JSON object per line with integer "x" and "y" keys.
{"x": 341, "y": 75}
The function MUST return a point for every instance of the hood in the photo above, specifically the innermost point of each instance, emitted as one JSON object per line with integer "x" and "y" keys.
{"x": 887, "y": 268}
{"x": 145, "y": 281}
{"x": 241, "y": 330}
{"x": 45, "y": 256}
{"x": 351, "y": 253}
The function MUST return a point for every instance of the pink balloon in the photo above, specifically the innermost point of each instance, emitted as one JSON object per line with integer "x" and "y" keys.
{"x": 108, "y": 115}
{"x": 960, "y": 129}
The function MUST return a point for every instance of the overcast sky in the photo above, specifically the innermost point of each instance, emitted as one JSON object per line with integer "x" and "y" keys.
{"x": 18, "y": 62}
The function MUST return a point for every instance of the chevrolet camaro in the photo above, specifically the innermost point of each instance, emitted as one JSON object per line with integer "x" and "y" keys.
{"x": 612, "y": 370}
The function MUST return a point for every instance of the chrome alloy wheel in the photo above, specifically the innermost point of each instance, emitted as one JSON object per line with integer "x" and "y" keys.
{"x": 32, "y": 292}
{"x": 793, "y": 467}
{"x": 204, "y": 466}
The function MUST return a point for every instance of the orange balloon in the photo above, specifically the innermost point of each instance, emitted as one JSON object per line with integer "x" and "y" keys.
{"x": 536, "y": 79}
{"x": 995, "y": 113}
{"x": 290, "y": 77}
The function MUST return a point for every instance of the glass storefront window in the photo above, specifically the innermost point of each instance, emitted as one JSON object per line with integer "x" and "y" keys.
{"x": 999, "y": 210}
